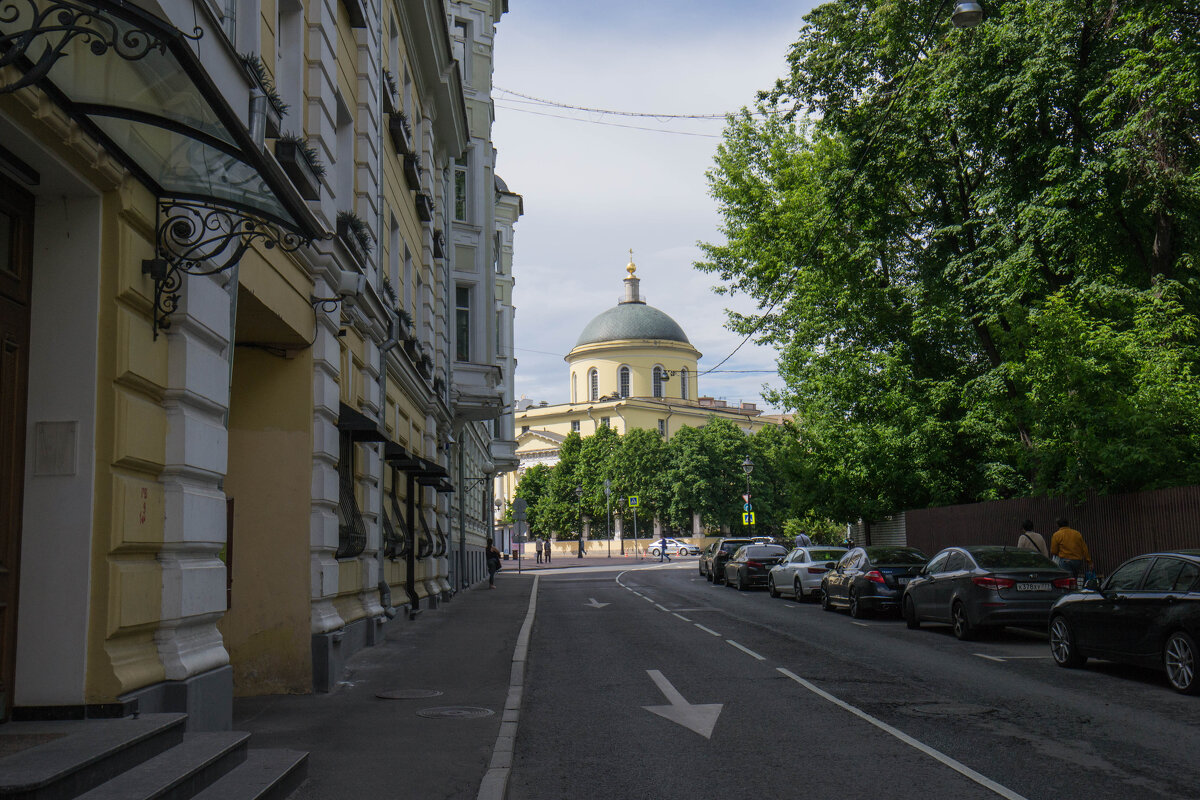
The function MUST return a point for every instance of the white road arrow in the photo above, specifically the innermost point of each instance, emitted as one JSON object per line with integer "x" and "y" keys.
{"x": 699, "y": 718}
{"x": 595, "y": 604}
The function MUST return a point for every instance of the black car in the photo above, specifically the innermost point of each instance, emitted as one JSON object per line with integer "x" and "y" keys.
{"x": 749, "y": 565}
{"x": 712, "y": 560}
{"x": 985, "y": 587}
{"x": 1147, "y": 613}
{"x": 870, "y": 579}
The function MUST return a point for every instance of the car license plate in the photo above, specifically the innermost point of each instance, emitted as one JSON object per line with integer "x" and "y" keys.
{"x": 901, "y": 581}
{"x": 1033, "y": 587}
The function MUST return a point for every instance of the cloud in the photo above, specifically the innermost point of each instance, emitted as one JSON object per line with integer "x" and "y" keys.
{"x": 592, "y": 191}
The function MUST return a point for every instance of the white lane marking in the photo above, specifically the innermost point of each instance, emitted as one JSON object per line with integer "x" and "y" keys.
{"x": 647, "y": 599}
{"x": 862, "y": 624}
{"x": 701, "y": 717}
{"x": 706, "y": 630}
{"x": 681, "y": 616}
{"x": 661, "y": 606}
{"x": 745, "y": 650}
{"x": 495, "y": 781}
{"x": 595, "y": 603}
{"x": 1002, "y": 659}
{"x": 990, "y": 658}
{"x": 937, "y": 755}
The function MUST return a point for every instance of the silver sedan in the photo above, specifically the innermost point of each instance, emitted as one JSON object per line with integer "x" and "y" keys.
{"x": 799, "y": 575}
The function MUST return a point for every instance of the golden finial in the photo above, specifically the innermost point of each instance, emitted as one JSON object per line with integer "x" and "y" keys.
{"x": 631, "y": 268}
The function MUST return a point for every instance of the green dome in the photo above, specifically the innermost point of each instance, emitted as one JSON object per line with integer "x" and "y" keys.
{"x": 631, "y": 321}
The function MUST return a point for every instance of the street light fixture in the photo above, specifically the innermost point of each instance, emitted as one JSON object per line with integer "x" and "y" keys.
{"x": 966, "y": 14}
{"x": 579, "y": 498}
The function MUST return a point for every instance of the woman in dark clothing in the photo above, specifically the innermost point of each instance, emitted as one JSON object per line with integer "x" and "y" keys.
{"x": 493, "y": 563}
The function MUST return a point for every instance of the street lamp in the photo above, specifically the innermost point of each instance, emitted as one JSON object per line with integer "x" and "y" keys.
{"x": 966, "y": 14}
{"x": 748, "y": 467}
{"x": 608, "y": 513}
{"x": 579, "y": 498}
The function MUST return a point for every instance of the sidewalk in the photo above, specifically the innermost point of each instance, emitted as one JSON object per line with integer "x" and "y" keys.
{"x": 363, "y": 746}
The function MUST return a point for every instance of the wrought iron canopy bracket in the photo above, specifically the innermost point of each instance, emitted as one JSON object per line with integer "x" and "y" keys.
{"x": 197, "y": 238}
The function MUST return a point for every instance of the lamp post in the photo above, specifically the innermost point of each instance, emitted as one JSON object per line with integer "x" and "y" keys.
{"x": 966, "y": 14}
{"x": 579, "y": 498}
{"x": 608, "y": 513}
{"x": 748, "y": 467}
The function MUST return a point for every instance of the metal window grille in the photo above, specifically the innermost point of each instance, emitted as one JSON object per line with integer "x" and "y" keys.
{"x": 425, "y": 546}
{"x": 397, "y": 538}
{"x": 352, "y": 533}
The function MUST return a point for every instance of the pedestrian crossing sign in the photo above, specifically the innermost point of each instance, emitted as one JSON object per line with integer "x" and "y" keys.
{"x": 748, "y": 518}
{"x": 633, "y": 502}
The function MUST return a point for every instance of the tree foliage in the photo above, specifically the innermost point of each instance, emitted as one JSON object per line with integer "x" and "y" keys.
{"x": 975, "y": 251}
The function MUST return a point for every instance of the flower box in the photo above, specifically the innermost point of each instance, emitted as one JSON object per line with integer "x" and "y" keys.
{"x": 401, "y": 133}
{"x": 293, "y": 157}
{"x": 424, "y": 207}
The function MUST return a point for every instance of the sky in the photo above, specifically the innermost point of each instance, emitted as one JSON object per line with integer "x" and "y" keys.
{"x": 594, "y": 191}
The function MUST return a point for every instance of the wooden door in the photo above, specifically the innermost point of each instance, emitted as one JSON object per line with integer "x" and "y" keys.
{"x": 16, "y": 239}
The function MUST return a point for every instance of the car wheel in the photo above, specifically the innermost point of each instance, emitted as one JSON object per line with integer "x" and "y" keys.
{"x": 910, "y": 614}
{"x": 701, "y": 570}
{"x": 963, "y": 629}
{"x": 1179, "y": 657}
{"x": 718, "y": 577}
{"x": 741, "y": 585}
{"x": 1062, "y": 644}
{"x": 654, "y": 551}
{"x": 826, "y": 603}
{"x": 771, "y": 590}
{"x": 856, "y": 608}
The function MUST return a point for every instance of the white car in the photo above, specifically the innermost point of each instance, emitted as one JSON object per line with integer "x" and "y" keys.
{"x": 799, "y": 575}
{"x": 673, "y": 546}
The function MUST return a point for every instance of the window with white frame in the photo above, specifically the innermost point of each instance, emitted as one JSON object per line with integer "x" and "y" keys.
{"x": 461, "y": 188}
{"x": 575, "y": 426}
{"x": 659, "y": 378}
{"x": 623, "y": 381}
{"x": 683, "y": 383}
{"x": 461, "y": 45}
{"x": 500, "y": 334}
{"x": 662, "y": 428}
{"x": 593, "y": 385}
{"x": 605, "y": 422}
{"x": 462, "y": 323}
{"x": 574, "y": 388}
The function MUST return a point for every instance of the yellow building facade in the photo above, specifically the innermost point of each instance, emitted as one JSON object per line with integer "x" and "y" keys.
{"x": 226, "y": 305}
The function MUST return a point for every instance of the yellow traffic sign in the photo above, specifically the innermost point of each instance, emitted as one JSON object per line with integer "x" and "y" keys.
{"x": 633, "y": 502}
{"x": 748, "y": 518}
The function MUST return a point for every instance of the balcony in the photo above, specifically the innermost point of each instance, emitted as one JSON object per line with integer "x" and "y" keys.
{"x": 477, "y": 391}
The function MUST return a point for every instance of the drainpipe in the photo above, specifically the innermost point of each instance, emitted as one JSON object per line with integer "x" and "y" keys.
{"x": 393, "y": 339}
{"x": 410, "y": 558}
{"x": 462, "y": 519}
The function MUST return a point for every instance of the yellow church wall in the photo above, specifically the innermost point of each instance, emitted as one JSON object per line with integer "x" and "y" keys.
{"x": 641, "y": 357}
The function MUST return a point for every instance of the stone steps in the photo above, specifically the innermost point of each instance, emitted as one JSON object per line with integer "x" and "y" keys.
{"x": 144, "y": 758}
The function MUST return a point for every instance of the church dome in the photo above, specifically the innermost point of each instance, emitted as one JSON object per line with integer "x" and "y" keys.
{"x": 631, "y": 319}
{"x": 634, "y": 320}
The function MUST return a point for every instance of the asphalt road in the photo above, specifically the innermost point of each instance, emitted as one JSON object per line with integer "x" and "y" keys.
{"x": 815, "y": 704}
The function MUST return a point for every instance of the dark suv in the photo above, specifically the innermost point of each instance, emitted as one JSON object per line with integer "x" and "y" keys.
{"x": 712, "y": 560}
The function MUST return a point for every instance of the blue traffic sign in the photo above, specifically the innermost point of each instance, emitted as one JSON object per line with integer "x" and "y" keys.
{"x": 747, "y": 507}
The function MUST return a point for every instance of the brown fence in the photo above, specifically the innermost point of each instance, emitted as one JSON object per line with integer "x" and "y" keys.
{"x": 1115, "y": 527}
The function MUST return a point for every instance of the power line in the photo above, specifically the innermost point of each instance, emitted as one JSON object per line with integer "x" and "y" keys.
{"x": 608, "y": 124}
{"x": 645, "y": 114}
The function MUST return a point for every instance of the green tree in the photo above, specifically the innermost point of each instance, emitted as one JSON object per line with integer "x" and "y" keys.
{"x": 534, "y": 484}
{"x": 596, "y": 456}
{"x": 638, "y": 467}
{"x": 558, "y": 508}
{"x": 978, "y": 262}
{"x": 704, "y": 475}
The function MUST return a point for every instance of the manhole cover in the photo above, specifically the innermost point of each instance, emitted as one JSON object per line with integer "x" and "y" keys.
{"x": 454, "y": 712}
{"x": 408, "y": 694}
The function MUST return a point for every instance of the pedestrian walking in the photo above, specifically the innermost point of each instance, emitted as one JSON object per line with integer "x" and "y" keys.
{"x": 537, "y": 548}
{"x": 493, "y": 563}
{"x": 1068, "y": 547}
{"x": 1031, "y": 539}
{"x": 548, "y": 549}
{"x": 802, "y": 540}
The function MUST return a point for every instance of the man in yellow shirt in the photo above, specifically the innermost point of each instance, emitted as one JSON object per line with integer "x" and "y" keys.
{"x": 1068, "y": 545}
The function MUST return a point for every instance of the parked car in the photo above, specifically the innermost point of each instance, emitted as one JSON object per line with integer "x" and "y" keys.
{"x": 870, "y": 579}
{"x": 712, "y": 560}
{"x": 985, "y": 587}
{"x": 800, "y": 573}
{"x": 673, "y": 546}
{"x": 750, "y": 563}
{"x": 1147, "y": 613}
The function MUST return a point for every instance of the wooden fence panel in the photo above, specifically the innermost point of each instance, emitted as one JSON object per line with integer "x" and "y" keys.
{"x": 1115, "y": 527}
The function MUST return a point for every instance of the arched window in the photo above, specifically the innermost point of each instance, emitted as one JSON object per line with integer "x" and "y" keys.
{"x": 683, "y": 383}
{"x": 659, "y": 377}
{"x": 623, "y": 381}
{"x": 593, "y": 385}
{"x": 574, "y": 387}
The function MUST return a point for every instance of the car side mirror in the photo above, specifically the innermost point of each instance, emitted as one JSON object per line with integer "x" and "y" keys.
{"x": 1092, "y": 584}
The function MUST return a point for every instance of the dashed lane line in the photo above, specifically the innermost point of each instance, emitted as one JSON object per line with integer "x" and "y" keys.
{"x": 746, "y": 650}
{"x": 681, "y": 616}
{"x": 937, "y": 755}
{"x": 706, "y": 630}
